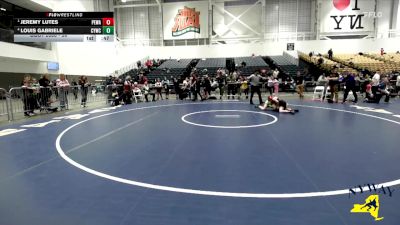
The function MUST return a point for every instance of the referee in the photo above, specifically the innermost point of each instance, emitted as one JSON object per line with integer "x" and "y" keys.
{"x": 255, "y": 83}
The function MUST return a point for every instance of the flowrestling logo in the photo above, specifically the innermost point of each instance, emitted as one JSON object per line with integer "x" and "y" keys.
{"x": 187, "y": 20}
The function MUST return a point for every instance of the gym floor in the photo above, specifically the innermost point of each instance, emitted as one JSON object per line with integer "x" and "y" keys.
{"x": 212, "y": 162}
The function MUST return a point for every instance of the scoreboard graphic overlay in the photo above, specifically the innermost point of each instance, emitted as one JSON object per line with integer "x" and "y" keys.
{"x": 64, "y": 27}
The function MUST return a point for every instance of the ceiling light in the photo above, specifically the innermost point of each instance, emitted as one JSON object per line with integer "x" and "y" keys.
{"x": 3, "y": 9}
{"x": 123, "y": 1}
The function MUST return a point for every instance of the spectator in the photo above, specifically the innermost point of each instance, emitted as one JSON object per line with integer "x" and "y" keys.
{"x": 398, "y": 85}
{"x": 276, "y": 86}
{"x": 368, "y": 91}
{"x": 136, "y": 90}
{"x": 270, "y": 84}
{"x": 333, "y": 82}
{"x": 375, "y": 82}
{"x": 330, "y": 54}
{"x": 275, "y": 74}
{"x": 320, "y": 61}
{"x": 300, "y": 84}
{"x": 166, "y": 83}
{"x": 322, "y": 80}
{"x": 383, "y": 88}
{"x": 382, "y": 52}
{"x": 75, "y": 88}
{"x": 231, "y": 82}
{"x": 244, "y": 86}
{"x": 127, "y": 94}
{"x": 142, "y": 78}
{"x": 310, "y": 55}
{"x": 221, "y": 82}
{"x": 27, "y": 96}
{"x": 158, "y": 85}
{"x": 195, "y": 87}
{"x": 63, "y": 86}
{"x": 83, "y": 83}
{"x": 115, "y": 97}
{"x": 207, "y": 87}
{"x": 45, "y": 91}
{"x": 350, "y": 85}
{"x": 146, "y": 91}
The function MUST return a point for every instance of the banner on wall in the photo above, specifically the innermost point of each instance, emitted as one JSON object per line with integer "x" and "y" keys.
{"x": 185, "y": 20}
{"x": 344, "y": 16}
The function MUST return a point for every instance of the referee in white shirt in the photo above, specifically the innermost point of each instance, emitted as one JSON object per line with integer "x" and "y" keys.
{"x": 255, "y": 84}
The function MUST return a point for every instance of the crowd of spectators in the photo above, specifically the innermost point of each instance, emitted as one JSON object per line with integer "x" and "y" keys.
{"x": 36, "y": 94}
{"x": 375, "y": 87}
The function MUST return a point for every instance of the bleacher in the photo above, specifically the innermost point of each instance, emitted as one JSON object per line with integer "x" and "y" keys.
{"x": 252, "y": 64}
{"x": 170, "y": 68}
{"x": 391, "y": 60}
{"x": 327, "y": 65}
{"x": 131, "y": 73}
{"x": 212, "y": 65}
{"x": 173, "y": 63}
{"x": 284, "y": 64}
{"x": 165, "y": 73}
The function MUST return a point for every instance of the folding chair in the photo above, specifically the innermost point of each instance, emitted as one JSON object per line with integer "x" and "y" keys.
{"x": 138, "y": 95}
{"x": 318, "y": 91}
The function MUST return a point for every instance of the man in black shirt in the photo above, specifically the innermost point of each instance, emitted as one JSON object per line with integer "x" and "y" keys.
{"x": 330, "y": 54}
{"x": 45, "y": 91}
{"x": 221, "y": 82}
{"x": 255, "y": 83}
{"x": 350, "y": 83}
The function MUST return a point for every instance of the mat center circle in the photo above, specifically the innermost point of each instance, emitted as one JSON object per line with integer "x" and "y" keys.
{"x": 233, "y": 119}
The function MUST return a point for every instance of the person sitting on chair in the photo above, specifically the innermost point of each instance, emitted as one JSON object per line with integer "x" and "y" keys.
{"x": 146, "y": 91}
{"x": 278, "y": 105}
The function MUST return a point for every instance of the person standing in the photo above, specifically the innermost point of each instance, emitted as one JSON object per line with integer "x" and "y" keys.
{"x": 244, "y": 86}
{"x": 207, "y": 87}
{"x": 330, "y": 54}
{"x": 74, "y": 89}
{"x": 127, "y": 94}
{"x": 350, "y": 84}
{"x": 63, "y": 86}
{"x": 255, "y": 83}
{"x": 270, "y": 84}
{"x": 375, "y": 82}
{"x": 158, "y": 85}
{"x": 84, "y": 85}
{"x": 300, "y": 84}
{"x": 398, "y": 85}
{"x": 231, "y": 82}
{"x": 45, "y": 91}
{"x": 221, "y": 83}
{"x": 333, "y": 82}
{"x": 275, "y": 73}
{"x": 27, "y": 96}
{"x": 196, "y": 87}
{"x": 166, "y": 83}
